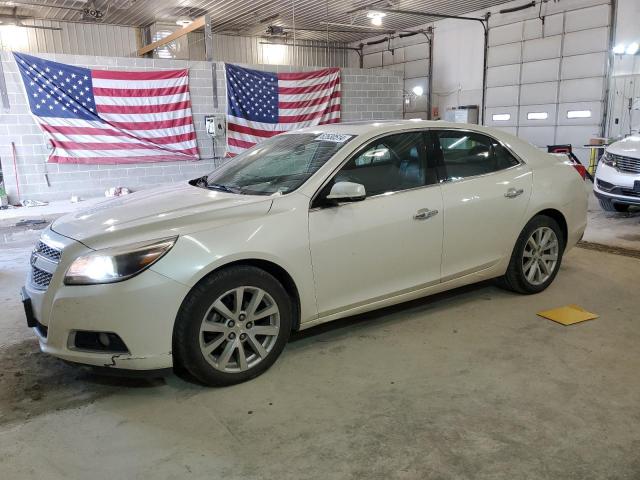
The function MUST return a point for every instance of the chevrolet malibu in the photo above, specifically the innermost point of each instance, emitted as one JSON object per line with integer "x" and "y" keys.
{"x": 307, "y": 227}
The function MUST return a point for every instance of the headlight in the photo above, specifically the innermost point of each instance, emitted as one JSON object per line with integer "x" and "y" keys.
{"x": 608, "y": 159}
{"x": 116, "y": 264}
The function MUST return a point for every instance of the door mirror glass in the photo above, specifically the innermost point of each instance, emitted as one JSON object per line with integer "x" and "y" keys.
{"x": 347, "y": 192}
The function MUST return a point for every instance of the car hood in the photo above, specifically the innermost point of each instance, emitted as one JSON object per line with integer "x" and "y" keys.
{"x": 157, "y": 213}
{"x": 627, "y": 147}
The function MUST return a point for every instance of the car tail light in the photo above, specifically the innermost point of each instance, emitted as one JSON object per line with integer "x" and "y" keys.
{"x": 581, "y": 169}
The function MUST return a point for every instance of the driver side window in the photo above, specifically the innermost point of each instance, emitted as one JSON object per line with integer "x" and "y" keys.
{"x": 388, "y": 164}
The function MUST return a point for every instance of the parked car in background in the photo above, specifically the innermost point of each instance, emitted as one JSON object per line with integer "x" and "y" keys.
{"x": 617, "y": 181}
{"x": 306, "y": 227}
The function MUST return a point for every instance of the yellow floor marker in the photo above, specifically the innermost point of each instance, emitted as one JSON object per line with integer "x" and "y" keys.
{"x": 568, "y": 315}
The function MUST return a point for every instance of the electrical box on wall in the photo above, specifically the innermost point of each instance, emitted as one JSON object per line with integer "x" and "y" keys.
{"x": 216, "y": 125}
{"x": 462, "y": 114}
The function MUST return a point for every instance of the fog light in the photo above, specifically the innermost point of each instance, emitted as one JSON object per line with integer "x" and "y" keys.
{"x": 97, "y": 341}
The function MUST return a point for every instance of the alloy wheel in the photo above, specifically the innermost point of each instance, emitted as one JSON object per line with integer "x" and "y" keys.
{"x": 239, "y": 329}
{"x": 540, "y": 255}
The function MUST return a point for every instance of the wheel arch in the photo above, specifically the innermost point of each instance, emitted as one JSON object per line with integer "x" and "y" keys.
{"x": 559, "y": 217}
{"x": 281, "y": 274}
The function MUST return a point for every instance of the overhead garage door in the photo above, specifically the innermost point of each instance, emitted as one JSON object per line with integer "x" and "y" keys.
{"x": 547, "y": 83}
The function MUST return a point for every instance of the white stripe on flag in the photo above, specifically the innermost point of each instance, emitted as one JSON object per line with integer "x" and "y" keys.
{"x": 301, "y": 97}
{"x": 146, "y": 117}
{"x": 127, "y": 84}
{"x": 308, "y": 82}
{"x": 138, "y": 101}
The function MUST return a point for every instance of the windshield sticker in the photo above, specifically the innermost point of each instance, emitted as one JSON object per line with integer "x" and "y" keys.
{"x": 333, "y": 137}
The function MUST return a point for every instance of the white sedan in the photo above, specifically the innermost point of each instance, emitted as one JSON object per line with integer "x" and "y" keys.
{"x": 310, "y": 226}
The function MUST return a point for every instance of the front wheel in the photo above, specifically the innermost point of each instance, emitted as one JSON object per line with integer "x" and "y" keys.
{"x": 536, "y": 257}
{"x": 232, "y": 326}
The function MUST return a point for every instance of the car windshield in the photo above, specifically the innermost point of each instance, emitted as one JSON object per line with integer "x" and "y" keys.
{"x": 278, "y": 165}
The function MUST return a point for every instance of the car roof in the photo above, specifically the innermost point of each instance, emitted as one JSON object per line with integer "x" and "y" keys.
{"x": 369, "y": 127}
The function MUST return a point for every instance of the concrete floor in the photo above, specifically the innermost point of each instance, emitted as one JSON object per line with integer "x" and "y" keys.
{"x": 467, "y": 384}
{"x": 619, "y": 230}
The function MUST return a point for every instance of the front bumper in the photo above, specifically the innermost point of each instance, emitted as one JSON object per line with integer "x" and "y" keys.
{"x": 140, "y": 310}
{"x": 617, "y": 186}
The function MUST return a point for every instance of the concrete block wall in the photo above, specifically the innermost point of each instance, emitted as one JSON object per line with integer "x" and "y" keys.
{"x": 367, "y": 94}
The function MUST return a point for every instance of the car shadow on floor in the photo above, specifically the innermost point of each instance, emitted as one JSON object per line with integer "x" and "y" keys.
{"x": 397, "y": 313}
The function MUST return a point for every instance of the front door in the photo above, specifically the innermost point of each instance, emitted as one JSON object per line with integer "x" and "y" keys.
{"x": 390, "y": 242}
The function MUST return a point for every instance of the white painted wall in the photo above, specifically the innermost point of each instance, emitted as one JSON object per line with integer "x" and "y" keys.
{"x": 457, "y": 63}
{"x": 625, "y": 76}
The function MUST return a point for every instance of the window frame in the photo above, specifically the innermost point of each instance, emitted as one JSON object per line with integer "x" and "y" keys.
{"x": 425, "y": 133}
{"x": 441, "y": 167}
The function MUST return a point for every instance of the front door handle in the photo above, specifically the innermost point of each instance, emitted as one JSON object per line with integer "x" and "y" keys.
{"x": 513, "y": 193}
{"x": 425, "y": 214}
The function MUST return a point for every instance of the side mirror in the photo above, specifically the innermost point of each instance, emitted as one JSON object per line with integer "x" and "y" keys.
{"x": 347, "y": 192}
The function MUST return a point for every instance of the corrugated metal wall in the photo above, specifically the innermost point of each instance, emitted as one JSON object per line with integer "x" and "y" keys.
{"x": 121, "y": 41}
{"x": 250, "y": 50}
{"x": 74, "y": 38}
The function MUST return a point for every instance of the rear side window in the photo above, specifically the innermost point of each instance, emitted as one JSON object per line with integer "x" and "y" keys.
{"x": 467, "y": 154}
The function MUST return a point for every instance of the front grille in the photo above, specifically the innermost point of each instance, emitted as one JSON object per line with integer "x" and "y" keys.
{"x": 44, "y": 260}
{"x": 629, "y": 193}
{"x": 47, "y": 251}
{"x": 40, "y": 278}
{"x": 602, "y": 185}
{"x": 627, "y": 164}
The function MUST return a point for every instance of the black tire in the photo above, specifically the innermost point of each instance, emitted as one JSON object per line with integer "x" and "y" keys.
{"x": 515, "y": 279}
{"x": 610, "y": 206}
{"x": 186, "y": 334}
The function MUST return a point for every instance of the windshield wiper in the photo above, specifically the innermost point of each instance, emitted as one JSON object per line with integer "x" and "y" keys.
{"x": 223, "y": 188}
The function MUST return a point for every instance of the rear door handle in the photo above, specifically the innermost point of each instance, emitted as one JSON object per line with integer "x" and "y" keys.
{"x": 425, "y": 214}
{"x": 513, "y": 193}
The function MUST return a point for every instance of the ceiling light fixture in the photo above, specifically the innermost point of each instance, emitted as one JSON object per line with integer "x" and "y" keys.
{"x": 619, "y": 49}
{"x": 184, "y": 22}
{"x": 376, "y": 17}
{"x": 418, "y": 90}
{"x": 632, "y": 48}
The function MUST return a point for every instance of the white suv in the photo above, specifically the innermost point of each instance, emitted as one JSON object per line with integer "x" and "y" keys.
{"x": 617, "y": 182}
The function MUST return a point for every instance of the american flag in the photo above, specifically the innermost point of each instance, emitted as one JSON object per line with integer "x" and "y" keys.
{"x": 110, "y": 116}
{"x": 263, "y": 104}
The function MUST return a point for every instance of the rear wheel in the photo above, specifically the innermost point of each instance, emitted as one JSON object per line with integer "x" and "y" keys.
{"x": 232, "y": 326}
{"x": 610, "y": 206}
{"x": 536, "y": 257}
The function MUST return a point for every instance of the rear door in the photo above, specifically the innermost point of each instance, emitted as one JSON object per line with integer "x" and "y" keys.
{"x": 485, "y": 192}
